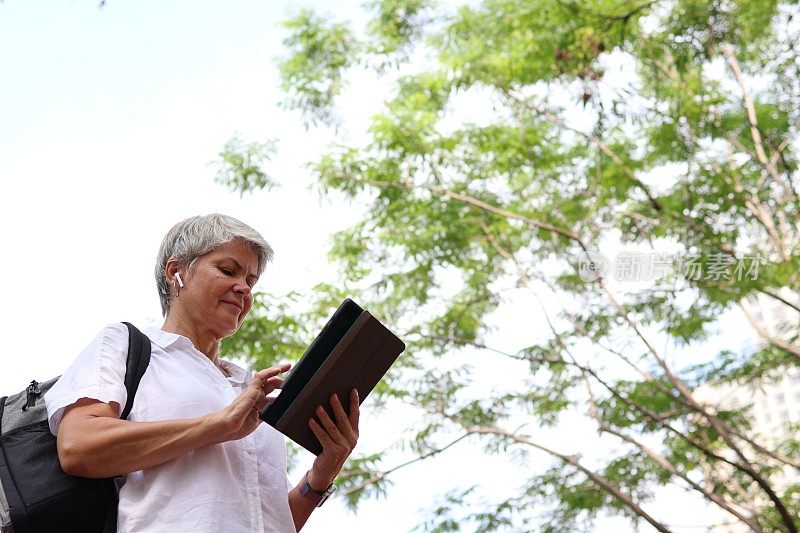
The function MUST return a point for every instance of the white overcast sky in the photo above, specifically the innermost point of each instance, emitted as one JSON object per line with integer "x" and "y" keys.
{"x": 109, "y": 119}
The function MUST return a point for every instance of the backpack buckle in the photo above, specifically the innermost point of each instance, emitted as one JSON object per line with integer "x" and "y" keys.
{"x": 30, "y": 394}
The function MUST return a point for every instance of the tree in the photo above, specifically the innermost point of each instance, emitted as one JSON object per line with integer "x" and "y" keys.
{"x": 660, "y": 126}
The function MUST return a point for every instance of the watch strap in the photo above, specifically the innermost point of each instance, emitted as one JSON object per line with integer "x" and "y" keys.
{"x": 307, "y": 491}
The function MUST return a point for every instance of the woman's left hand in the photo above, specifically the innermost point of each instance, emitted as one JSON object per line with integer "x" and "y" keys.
{"x": 337, "y": 438}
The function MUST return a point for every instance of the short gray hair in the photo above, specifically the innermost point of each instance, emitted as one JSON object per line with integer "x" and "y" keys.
{"x": 199, "y": 235}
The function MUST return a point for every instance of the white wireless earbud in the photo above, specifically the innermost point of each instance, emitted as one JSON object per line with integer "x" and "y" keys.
{"x": 178, "y": 278}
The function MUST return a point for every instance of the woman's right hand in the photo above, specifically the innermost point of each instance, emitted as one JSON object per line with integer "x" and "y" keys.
{"x": 241, "y": 417}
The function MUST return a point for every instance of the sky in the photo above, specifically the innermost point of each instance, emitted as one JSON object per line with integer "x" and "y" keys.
{"x": 110, "y": 120}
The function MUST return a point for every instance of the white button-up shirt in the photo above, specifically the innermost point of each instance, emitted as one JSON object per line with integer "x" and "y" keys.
{"x": 236, "y": 486}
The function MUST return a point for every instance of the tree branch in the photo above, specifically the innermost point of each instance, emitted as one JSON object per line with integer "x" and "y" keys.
{"x": 755, "y": 133}
{"x": 599, "y": 480}
{"x": 378, "y": 476}
{"x": 526, "y": 282}
{"x": 766, "y": 335}
{"x": 775, "y": 295}
{"x": 664, "y": 462}
{"x": 556, "y": 121}
{"x": 722, "y": 429}
{"x": 647, "y": 413}
{"x": 503, "y": 212}
{"x": 754, "y": 205}
{"x": 480, "y": 204}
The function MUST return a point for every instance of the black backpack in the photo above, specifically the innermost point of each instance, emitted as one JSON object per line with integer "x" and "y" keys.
{"x": 35, "y": 493}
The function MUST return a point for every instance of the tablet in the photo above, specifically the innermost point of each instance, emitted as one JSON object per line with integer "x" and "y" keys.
{"x": 353, "y": 350}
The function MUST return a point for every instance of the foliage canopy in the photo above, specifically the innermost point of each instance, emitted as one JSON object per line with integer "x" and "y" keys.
{"x": 520, "y": 136}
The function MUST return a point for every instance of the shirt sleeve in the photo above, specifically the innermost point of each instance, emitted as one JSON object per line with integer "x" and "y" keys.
{"x": 97, "y": 373}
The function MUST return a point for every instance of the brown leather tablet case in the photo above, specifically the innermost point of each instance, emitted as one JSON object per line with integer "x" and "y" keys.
{"x": 362, "y": 351}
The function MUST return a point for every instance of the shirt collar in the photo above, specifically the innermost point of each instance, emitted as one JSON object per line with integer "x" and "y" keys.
{"x": 163, "y": 339}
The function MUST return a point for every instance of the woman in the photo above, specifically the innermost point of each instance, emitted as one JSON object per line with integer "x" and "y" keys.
{"x": 195, "y": 454}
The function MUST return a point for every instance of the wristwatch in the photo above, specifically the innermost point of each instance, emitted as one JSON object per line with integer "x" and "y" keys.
{"x": 307, "y": 492}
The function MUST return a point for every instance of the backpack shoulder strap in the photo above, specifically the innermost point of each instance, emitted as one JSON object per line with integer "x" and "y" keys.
{"x": 138, "y": 359}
